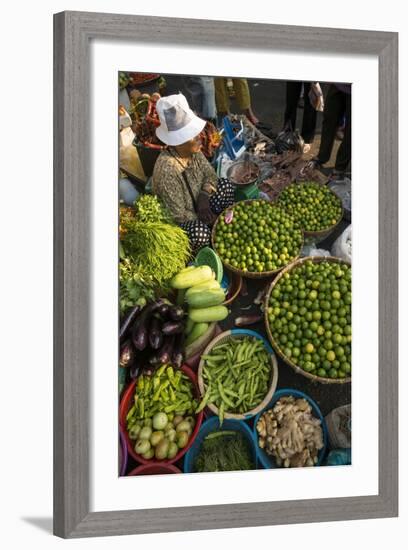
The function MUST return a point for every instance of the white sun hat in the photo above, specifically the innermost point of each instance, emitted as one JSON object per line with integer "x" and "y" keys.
{"x": 178, "y": 123}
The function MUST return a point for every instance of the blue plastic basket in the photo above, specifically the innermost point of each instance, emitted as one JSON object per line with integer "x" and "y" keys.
{"x": 211, "y": 425}
{"x": 267, "y": 461}
{"x": 225, "y": 282}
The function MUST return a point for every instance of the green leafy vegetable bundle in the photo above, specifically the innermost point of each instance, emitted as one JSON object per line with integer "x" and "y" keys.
{"x": 158, "y": 250}
{"x": 153, "y": 250}
{"x": 224, "y": 451}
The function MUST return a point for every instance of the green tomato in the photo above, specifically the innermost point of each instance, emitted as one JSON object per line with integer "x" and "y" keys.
{"x": 160, "y": 421}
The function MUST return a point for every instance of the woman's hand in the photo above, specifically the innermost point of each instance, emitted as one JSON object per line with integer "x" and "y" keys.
{"x": 204, "y": 211}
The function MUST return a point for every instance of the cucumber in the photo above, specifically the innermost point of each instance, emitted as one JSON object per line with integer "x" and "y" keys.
{"x": 180, "y": 297}
{"x": 208, "y": 314}
{"x": 193, "y": 277}
{"x": 206, "y": 298}
{"x": 189, "y": 326}
{"x": 198, "y": 330}
{"x": 208, "y": 285}
{"x": 187, "y": 269}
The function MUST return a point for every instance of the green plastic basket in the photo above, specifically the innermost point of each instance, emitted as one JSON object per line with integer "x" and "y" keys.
{"x": 207, "y": 256}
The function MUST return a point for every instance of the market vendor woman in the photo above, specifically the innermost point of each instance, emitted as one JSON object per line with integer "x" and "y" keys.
{"x": 183, "y": 178}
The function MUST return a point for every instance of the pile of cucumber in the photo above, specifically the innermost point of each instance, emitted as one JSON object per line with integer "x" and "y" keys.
{"x": 204, "y": 297}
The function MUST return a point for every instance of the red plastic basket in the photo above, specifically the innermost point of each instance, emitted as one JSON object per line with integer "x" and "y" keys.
{"x": 154, "y": 469}
{"x": 127, "y": 402}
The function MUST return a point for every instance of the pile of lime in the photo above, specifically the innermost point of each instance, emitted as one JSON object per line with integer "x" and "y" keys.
{"x": 257, "y": 236}
{"x": 314, "y": 206}
{"x": 309, "y": 315}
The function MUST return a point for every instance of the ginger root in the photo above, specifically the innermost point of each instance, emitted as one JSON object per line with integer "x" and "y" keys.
{"x": 290, "y": 433}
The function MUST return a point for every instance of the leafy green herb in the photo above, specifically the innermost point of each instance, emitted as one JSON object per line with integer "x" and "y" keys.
{"x": 224, "y": 451}
{"x": 152, "y": 250}
{"x": 134, "y": 289}
{"x": 150, "y": 209}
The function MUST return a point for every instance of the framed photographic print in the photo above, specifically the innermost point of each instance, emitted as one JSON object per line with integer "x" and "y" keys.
{"x": 225, "y": 274}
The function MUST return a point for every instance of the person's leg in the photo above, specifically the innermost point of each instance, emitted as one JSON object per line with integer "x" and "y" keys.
{"x": 199, "y": 234}
{"x": 293, "y": 89}
{"x": 332, "y": 111}
{"x": 344, "y": 153}
{"x": 194, "y": 93}
{"x": 243, "y": 97}
{"x": 242, "y": 93}
{"x": 224, "y": 197}
{"x": 309, "y": 117}
{"x": 221, "y": 96}
{"x": 209, "y": 110}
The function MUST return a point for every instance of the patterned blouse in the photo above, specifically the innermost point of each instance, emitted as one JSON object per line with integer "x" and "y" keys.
{"x": 168, "y": 183}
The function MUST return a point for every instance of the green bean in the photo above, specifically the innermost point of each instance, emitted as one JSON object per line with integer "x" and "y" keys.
{"x": 224, "y": 396}
{"x": 236, "y": 375}
{"x": 204, "y": 400}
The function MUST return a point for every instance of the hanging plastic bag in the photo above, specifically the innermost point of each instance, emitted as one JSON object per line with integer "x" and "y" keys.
{"x": 316, "y": 97}
{"x": 289, "y": 140}
{"x": 342, "y": 245}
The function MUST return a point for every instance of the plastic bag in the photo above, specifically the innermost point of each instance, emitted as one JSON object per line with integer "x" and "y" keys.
{"x": 224, "y": 162}
{"x": 316, "y": 97}
{"x": 289, "y": 140}
{"x": 311, "y": 250}
{"x": 339, "y": 427}
{"x": 342, "y": 245}
{"x": 342, "y": 188}
{"x": 339, "y": 457}
{"x": 127, "y": 192}
{"x": 126, "y": 137}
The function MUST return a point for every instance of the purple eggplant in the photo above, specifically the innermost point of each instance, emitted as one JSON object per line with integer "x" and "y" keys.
{"x": 139, "y": 331}
{"x": 129, "y": 319}
{"x": 172, "y": 327}
{"x": 154, "y": 359}
{"x": 245, "y": 320}
{"x": 166, "y": 350}
{"x": 127, "y": 354}
{"x": 135, "y": 370}
{"x": 176, "y": 313}
{"x": 163, "y": 310}
{"x": 139, "y": 337}
{"x": 178, "y": 350}
{"x": 155, "y": 333}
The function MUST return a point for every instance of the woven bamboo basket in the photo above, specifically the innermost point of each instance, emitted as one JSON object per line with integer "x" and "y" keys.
{"x": 319, "y": 236}
{"x": 225, "y": 337}
{"x": 247, "y": 274}
{"x": 275, "y": 345}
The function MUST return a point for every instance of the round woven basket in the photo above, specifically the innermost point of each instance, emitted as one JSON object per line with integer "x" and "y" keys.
{"x": 319, "y": 236}
{"x": 240, "y": 334}
{"x": 247, "y": 274}
{"x": 275, "y": 345}
{"x": 234, "y": 288}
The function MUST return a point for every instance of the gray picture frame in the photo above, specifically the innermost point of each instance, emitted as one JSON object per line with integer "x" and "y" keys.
{"x": 73, "y": 32}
